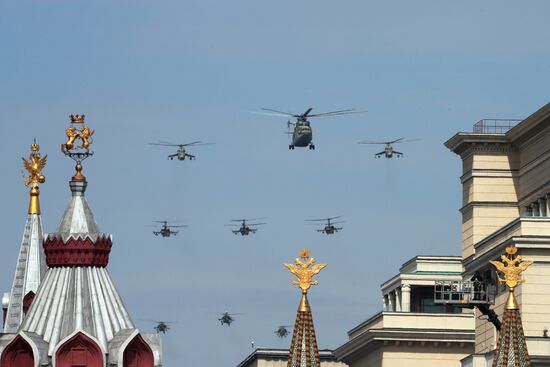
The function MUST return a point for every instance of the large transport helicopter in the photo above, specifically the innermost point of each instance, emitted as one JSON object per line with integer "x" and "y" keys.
{"x": 245, "y": 228}
{"x": 388, "y": 151}
{"x": 329, "y": 227}
{"x": 302, "y": 134}
{"x": 181, "y": 153}
{"x": 166, "y": 230}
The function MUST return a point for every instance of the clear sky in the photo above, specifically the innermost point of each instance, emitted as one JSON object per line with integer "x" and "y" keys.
{"x": 189, "y": 70}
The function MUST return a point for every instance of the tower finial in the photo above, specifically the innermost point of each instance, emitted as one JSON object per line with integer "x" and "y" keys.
{"x": 80, "y": 152}
{"x": 34, "y": 165}
{"x": 305, "y": 270}
{"x": 511, "y": 267}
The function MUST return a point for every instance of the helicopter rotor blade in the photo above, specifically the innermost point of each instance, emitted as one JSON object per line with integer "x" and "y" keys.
{"x": 281, "y": 112}
{"x": 337, "y": 113}
{"x": 372, "y": 142}
{"x": 165, "y": 144}
{"x": 255, "y": 224}
{"x": 396, "y": 141}
{"x": 408, "y": 140}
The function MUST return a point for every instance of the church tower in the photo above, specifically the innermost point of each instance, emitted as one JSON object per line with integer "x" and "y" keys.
{"x": 303, "y": 348}
{"x": 77, "y": 317}
{"x": 511, "y": 345}
{"x": 31, "y": 263}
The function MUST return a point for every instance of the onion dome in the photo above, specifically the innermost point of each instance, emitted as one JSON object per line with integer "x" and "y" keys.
{"x": 31, "y": 263}
{"x": 303, "y": 348}
{"x": 511, "y": 345}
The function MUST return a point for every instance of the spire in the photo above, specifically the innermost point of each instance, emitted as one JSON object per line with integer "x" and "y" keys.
{"x": 31, "y": 263}
{"x": 511, "y": 346}
{"x": 303, "y": 348}
{"x": 78, "y": 240}
{"x": 77, "y": 293}
{"x": 35, "y": 164}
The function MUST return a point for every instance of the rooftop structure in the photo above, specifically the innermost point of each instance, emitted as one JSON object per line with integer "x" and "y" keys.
{"x": 506, "y": 201}
{"x": 264, "y": 357}
{"x": 31, "y": 263}
{"x": 412, "y": 329}
{"x": 303, "y": 348}
{"x": 77, "y": 317}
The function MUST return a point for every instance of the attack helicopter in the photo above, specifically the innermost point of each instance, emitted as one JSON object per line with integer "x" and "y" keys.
{"x": 302, "y": 134}
{"x": 329, "y": 227}
{"x": 245, "y": 228}
{"x": 227, "y": 318}
{"x": 181, "y": 153}
{"x": 166, "y": 230}
{"x": 388, "y": 151}
{"x": 162, "y": 326}
{"x": 282, "y": 331}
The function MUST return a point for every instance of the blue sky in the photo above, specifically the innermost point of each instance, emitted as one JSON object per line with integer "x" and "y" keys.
{"x": 144, "y": 71}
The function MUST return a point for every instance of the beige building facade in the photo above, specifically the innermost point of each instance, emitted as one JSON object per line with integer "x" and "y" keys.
{"x": 412, "y": 329}
{"x": 506, "y": 201}
{"x": 264, "y": 357}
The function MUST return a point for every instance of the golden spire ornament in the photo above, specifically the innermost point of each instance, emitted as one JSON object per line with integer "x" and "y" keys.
{"x": 304, "y": 270}
{"x": 78, "y": 131}
{"x": 34, "y": 165}
{"x": 511, "y": 267}
{"x": 303, "y": 350}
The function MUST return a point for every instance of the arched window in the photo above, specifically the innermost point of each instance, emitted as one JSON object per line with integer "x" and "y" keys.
{"x": 17, "y": 354}
{"x": 79, "y": 351}
{"x": 27, "y": 301}
{"x": 138, "y": 354}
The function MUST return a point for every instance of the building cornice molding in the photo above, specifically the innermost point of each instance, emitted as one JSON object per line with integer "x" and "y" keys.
{"x": 374, "y": 337}
{"x": 465, "y": 144}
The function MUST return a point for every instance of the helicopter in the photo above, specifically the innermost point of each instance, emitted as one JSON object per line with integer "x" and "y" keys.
{"x": 166, "y": 230}
{"x": 282, "y": 331}
{"x": 227, "y": 318}
{"x": 388, "y": 151}
{"x": 180, "y": 153}
{"x": 162, "y": 326}
{"x": 244, "y": 228}
{"x": 302, "y": 134}
{"x": 329, "y": 227}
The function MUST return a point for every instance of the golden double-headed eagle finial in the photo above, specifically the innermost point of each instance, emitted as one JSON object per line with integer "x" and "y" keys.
{"x": 34, "y": 165}
{"x": 304, "y": 270}
{"x": 511, "y": 268}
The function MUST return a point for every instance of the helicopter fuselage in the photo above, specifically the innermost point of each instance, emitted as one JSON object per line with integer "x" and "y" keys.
{"x": 302, "y": 136}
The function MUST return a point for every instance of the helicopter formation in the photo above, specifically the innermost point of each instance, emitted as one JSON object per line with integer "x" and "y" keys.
{"x": 301, "y": 135}
{"x": 246, "y": 229}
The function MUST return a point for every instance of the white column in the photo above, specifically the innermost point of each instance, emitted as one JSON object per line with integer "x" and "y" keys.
{"x": 406, "y": 298}
{"x": 547, "y": 197}
{"x": 534, "y": 210}
{"x": 398, "y": 299}
{"x": 542, "y": 208}
{"x": 385, "y": 301}
{"x": 390, "y": 302}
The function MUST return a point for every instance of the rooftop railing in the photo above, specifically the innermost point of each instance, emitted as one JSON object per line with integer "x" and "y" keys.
{"x": 494, "y": 126}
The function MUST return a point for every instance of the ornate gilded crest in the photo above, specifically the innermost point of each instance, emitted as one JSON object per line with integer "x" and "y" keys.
{"x": 78, "y": 131}
{"x": 511, "y": 267}
{"x": 34, "y": 165}
{"x": 74, "y": 133}
{"x": 305, "y": 269}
